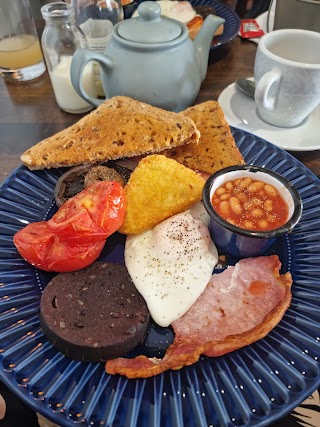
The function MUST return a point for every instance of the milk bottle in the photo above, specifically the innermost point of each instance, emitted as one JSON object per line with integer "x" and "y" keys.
{"x": 60, "y": 39}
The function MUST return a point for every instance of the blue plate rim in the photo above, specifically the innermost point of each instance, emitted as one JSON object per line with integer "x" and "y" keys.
{"x": 224, "y": 11}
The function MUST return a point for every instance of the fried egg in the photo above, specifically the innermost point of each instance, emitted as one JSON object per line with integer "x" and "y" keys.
{"x": 171, "y": 265}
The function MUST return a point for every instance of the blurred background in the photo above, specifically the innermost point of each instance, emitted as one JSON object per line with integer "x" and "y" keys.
{"x": 244, "y": 8}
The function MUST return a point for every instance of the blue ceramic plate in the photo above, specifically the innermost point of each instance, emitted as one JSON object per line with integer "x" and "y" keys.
{"x": 231, "y": 26}
{"x": 253, "y": 386}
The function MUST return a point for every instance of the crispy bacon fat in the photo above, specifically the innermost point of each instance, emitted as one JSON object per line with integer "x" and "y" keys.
{"x": 239, "y": 306}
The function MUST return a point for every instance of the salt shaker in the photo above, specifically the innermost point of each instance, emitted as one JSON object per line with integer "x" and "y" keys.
{"x": 60, "y": 39}
{"x": 96, "y": 19}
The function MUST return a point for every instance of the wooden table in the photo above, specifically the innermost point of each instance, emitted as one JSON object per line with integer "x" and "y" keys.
{"x": 29, "y": 112}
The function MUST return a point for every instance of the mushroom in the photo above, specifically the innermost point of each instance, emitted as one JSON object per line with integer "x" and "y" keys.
{"x": 79, "y": 177}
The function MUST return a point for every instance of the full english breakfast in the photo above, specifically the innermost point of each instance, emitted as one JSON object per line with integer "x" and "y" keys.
{"x": 169, "y": 255}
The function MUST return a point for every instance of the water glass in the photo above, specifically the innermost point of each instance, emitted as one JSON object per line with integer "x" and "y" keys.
{"x": 21, "y": 57}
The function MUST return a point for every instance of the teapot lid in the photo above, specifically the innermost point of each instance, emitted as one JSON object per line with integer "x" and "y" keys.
{"x": 149, "y": 27}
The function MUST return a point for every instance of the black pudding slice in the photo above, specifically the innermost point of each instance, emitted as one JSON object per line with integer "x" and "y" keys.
{"x": 94, "y": 314}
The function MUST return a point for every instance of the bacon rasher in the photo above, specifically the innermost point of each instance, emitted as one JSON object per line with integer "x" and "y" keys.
{"x": 238, "y": 307}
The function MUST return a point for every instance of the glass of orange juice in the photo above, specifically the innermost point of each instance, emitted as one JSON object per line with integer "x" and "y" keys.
{"x": 21, "y": 57}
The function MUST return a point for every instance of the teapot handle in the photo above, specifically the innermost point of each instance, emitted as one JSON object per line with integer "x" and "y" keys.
{"x": 79, "y": 60}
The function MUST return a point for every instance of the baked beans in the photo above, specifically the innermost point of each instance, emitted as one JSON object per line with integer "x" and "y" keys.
{"x": 250, "y": 204}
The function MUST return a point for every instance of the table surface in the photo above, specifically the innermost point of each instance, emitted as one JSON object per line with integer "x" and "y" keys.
{"x": 29, "y": 113}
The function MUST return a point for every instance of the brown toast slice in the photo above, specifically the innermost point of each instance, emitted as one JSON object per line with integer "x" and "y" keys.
{"x": 216, "y": 148}
{"x": 120, "y": 127}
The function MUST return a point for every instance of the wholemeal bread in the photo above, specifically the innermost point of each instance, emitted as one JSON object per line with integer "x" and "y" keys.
{"x": 216, "y": 148}
{"x": 120, "y": 127}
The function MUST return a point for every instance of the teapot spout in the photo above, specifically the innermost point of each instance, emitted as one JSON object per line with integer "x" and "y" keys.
{"x": 203, "y": 41}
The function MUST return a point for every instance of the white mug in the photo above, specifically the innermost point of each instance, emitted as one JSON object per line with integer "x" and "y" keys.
{"x": 287, "y": 76}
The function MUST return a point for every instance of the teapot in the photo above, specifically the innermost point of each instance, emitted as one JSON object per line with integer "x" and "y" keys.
{"x": 150, "y": 58}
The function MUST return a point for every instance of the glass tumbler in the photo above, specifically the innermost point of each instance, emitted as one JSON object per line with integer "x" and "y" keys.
{"x": 96, "y": 19}
{"x": 21, "y": 57}
{"x": 61, "y": 37}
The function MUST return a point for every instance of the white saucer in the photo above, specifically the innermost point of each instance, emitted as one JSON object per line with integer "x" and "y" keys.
{"x": 240, "y": 112}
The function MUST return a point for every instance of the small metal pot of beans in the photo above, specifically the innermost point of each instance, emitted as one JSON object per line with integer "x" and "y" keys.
{"x": 249, "y": 208}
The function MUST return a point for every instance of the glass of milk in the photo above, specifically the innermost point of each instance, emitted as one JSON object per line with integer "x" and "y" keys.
{"x": 60, "y": 39}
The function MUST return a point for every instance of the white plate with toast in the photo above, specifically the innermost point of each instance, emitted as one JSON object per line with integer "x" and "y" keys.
{"x": 254, "y": 386}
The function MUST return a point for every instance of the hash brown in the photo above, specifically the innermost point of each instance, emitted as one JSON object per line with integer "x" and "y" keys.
{"x": 157, "y": 189}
